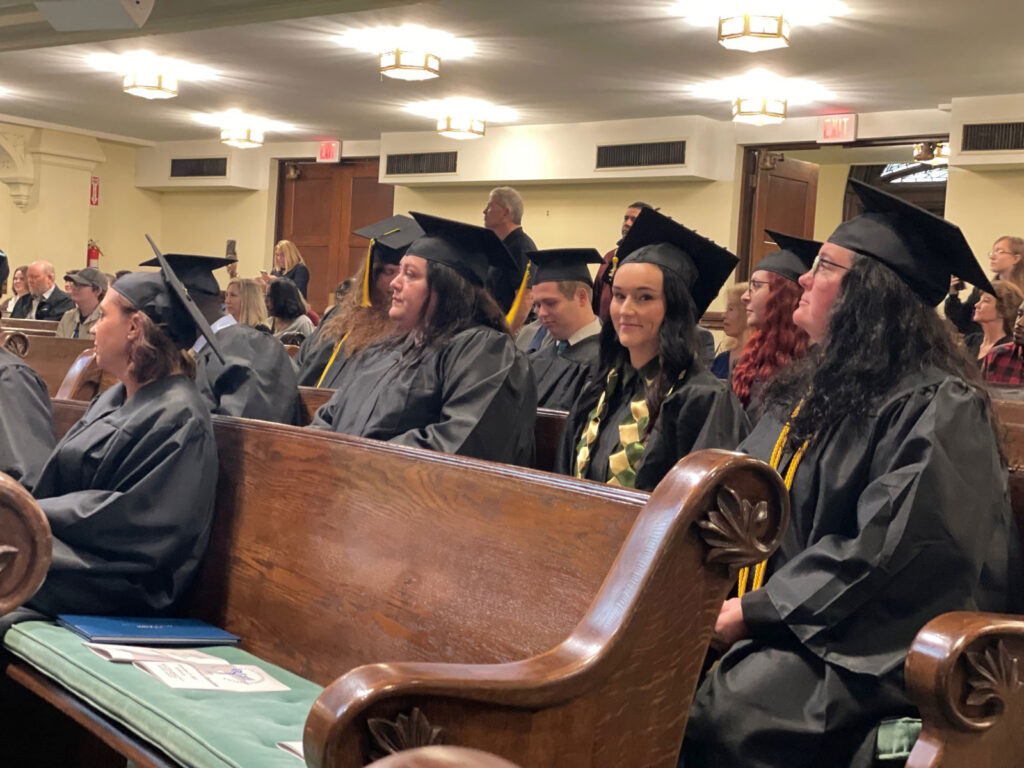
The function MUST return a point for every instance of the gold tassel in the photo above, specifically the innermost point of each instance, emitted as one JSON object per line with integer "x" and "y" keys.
{"x": 519, "y": 296}
{"x": 615, "y": 264}
{"x": 366, "y": 274}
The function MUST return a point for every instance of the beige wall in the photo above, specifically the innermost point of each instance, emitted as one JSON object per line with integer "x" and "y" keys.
{"x": 985, "y": 205}
{"x": 828, "y": 213}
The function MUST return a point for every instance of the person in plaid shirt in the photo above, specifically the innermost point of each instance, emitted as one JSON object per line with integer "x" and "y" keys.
{"x": 1005, "y": 364}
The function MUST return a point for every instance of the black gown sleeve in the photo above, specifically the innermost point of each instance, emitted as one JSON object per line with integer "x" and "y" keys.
{"x": 27, "y": 435}
{"x": 961, "y": 314}
{"x": 935, "y": 506}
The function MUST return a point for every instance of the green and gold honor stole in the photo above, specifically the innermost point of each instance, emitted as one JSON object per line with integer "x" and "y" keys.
{"x": 787, "y": 478}
{"x": 623, "y": 461}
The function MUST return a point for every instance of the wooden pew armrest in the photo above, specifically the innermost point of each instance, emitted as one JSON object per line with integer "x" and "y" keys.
{"x": 26, "y": 545}
{"x": 715, "y": 511}
{"x": 964, "y": 674}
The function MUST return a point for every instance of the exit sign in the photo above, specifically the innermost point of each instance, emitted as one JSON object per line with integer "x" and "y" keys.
{"x": 330, "y": 152}
{"x": 835, "y": 129}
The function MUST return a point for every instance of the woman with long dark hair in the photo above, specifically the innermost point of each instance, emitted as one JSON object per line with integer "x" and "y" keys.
{"x": 652, "y": 401}
{"x": 129, "y": 490}
{"x": 884, "y": 435}
{"x": 772, "y": 296}
{"x": 453, "y": 380}
{"x": 287, "y": 310}
{"x": 361, "y": 318}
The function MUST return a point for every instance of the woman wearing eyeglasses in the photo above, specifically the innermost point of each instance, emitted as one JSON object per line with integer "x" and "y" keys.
{"x": 1006, "y": 260}
{"x": 884, "y": 436}
{"x": 771, "y": 298}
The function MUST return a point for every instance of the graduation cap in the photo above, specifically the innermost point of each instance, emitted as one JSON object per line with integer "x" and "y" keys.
{"x": 558, "y": 264}
{"x": 654, "y": 238}
{"x": 468, "y": 249}
{"x": 796, "y": 257}
{"x": 389, "y": 240}
{"x": 920, "y": 247}
{"x": 194, "y": 271}
{"x": 165, "y": 301}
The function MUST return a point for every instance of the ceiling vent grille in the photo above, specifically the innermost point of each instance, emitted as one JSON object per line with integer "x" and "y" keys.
{"x": 195, "y": 167}
{"x": 992, "y": 137}
{"x": 646, "y": 155}
{"x": 422, "y": 162}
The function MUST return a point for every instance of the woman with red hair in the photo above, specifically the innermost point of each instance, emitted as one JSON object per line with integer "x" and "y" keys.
{"x": 772, "y": 296}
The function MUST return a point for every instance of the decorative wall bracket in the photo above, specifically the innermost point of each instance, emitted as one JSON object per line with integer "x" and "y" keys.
{"x": 17, "y": 170}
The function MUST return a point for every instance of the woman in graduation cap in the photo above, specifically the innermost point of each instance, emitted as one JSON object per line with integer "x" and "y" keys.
{"x": 453, "y": 381}
{"x": 129, "y": 490}
{"x": 362, "y": 316}
{"x": 652, "y": 401}
{"x": 899, "y": 507}
{"x": 771, "y": 297}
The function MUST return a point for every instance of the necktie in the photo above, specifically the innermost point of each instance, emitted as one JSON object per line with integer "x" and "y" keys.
{"x": 538, "y": 339}
{"x": 561, "y": 346}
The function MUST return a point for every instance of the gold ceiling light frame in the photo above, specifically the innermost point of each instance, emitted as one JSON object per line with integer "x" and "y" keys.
{"x": 754, "y": 32}
{"x": 150, "y": 84}
{"x": 759, "y": 110}
{"x": 461, "y": 127}
{"x": 241, "y": 136}
{"x": 402, "y": 64}
{"x": 932, "y": 152}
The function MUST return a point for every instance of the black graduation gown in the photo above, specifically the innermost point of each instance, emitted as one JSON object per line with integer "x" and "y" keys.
{"x": 258, "y": 381}
{"x": 27, "y": 435}
{"x": 313, "y": 356}
{"x": 702, "y": 412}
{"x": 129, "y": 493}
{"x": 472, "y": 396}
{"x": 896, "y": 519}
{"x": 561, "y": 378}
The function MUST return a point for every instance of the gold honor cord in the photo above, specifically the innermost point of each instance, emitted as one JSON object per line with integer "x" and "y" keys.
{"x": 776, "y": 460}
{"x": 337, "y": 348}
{"x": 519, "y": 295}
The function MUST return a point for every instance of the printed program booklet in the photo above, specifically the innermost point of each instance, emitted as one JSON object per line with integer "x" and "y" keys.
{"x": 190, "y": 669}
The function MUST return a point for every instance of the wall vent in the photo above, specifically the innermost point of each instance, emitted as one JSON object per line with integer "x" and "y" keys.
{"x": 646, "y": 155}
{"x": 196, "y": 167}
{"x": 992, "y": 137}
{"x": 422, "y": 162}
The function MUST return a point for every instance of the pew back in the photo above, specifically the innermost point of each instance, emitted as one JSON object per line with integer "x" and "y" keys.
{"x": 51, "y": 358}
{"x": 29, "y": 327}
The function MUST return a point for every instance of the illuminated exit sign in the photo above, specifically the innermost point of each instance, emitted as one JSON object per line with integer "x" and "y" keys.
{"x": 330, "y": 152}
{"x": 835, "y": 129}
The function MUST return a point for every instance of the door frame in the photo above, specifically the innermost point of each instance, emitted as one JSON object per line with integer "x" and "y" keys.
{"x": 748, "y": 178}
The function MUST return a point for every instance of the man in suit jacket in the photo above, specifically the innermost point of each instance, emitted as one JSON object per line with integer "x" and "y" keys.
{"x": 44, "y": 300}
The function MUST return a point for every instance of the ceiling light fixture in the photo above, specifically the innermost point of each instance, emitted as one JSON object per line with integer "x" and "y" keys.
{"x": 150, "y": 76}
{"x": 461, "y": 118}
{"x": 408, "y": 52}
{"x": 932, "y": 152}
{"x": 237, "y": 129}
{"x": 760, "y": 97}
{"x": 754, "y": 32}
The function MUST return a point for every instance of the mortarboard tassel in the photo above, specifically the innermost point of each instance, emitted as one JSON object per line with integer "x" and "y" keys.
{"x": 366, "y": 274}
{"x": 519, "y": 295}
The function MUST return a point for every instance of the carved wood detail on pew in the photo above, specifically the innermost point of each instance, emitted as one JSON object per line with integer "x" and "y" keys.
{"x": 444, "y": 757}
{"x": 14, "y": 342}
{"x": 26, "y": 545}
{"x": 84, "y": 379}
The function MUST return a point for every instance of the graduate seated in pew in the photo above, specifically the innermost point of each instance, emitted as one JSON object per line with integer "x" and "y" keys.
{"x": 361, "y": 318}
{"x": 129, "y": 490}
{"x": 246, "y": 301}
{"x": 289, "y": 313}
{"x": 453, "y": 381}
{"x": 253, "y": 378}
{"x": 652, "y": 400}
{"x": 771, "y": 297}
{"x": 27, "y": 434}
{"x": 885, "y": 437}
{"x": 562, "y": 296}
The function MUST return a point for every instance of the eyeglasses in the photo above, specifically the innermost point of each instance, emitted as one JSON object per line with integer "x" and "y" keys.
{"x": 755, "y": 285}
{"x": 1000, "y": 253}
{"x": 821, "y": 261}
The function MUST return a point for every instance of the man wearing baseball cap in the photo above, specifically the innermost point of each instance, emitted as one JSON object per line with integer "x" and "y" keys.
{"x": 88, "y": 287}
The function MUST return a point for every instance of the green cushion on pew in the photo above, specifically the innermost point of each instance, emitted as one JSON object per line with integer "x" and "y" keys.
{"x": 896, "y": 738}
{"x": 205, "y": 729}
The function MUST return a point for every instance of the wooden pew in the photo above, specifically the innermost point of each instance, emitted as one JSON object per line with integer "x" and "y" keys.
{"x": 29, "y": 327}
{"x": 964, "y": 670}
{"x": 549, "y": 621}
{"x": 51, "y": 357}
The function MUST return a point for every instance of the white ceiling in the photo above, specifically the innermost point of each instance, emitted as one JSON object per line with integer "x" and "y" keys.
{"x": 553, "y": 60}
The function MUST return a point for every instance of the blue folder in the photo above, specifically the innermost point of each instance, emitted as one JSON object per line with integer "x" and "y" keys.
{"x": 124, "y": 630}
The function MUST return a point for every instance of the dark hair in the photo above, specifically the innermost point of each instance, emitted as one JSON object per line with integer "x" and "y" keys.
{"x": 774, "y": 345}
{"x": 458, "y": 305}
{"x": 677, "y": 342}
{"x": 121, "y": 273}
{"x": 285, "y": 300}
{"x": 879, "y": 331}
{"x": 639, "y": 204}
{"x": 1008, "y": 298}
{"x": 154, "y": 355}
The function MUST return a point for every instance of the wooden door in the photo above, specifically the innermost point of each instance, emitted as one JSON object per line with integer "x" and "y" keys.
{"x": 319, "y": 207}
{"x": 784, "y": 196}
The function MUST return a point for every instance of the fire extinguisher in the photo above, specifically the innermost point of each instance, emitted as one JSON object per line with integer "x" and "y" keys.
{"x": 92, "y": 255}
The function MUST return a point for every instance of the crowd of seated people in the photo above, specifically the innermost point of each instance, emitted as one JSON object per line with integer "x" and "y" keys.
{"x": 844, "y": 379}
